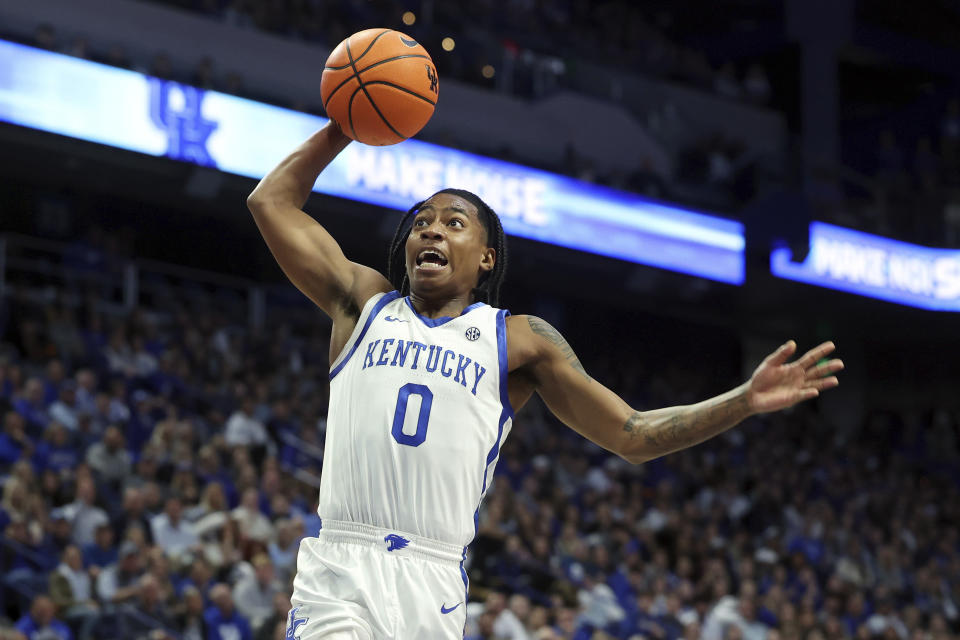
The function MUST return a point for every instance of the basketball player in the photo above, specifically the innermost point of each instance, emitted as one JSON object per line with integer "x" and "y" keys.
{"x": 426, "y": 374}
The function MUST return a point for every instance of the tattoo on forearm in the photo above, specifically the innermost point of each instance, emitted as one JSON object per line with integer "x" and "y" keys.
{"x": 686, "y": 426}
{"x": 634, "y": 424}
{"x": 543, "y": 328}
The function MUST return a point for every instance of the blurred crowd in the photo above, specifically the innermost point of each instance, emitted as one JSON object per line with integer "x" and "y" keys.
{"x": 920, "y": 178}
{"x": 524, "y": 36}
{"x": 160, "y": 468}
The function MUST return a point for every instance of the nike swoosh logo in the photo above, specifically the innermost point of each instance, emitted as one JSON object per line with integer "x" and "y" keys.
{"x": 443, "y": 607}
{"x": 409, "y": 43}
{"x": 392, "y": 319}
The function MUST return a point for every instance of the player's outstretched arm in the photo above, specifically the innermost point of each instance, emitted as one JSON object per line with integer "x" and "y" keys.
{"x": 602, "y": 416}
{"x": 308, "y": 255}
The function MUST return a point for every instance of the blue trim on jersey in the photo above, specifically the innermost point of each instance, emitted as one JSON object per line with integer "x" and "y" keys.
{"x": 466, "y": 587}
{"x": 377, "y": 308}
{"x": 502, "y": 353}
{"x": 436, "y": 322}
{"x": 507, "y": 411}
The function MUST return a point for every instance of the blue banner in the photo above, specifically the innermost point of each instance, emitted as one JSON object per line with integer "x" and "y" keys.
{"x": 129, "y": 110}
{"x": 876, "y": 267}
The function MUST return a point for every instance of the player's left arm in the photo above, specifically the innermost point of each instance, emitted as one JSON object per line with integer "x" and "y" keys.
{"x": 600, "y": 415}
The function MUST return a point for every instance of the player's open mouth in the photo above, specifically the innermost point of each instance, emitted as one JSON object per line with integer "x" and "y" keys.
{"x": 431, "y": 260}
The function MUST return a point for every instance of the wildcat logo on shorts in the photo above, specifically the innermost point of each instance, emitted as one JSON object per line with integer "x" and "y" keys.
{"x": 295, "y": 621}
{"x": 395, "y": 542}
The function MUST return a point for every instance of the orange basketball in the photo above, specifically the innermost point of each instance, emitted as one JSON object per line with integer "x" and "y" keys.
{"x": 380, "y": 86}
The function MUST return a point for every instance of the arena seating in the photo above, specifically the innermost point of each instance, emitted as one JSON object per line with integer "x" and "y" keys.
{"x": 160, "y": 467}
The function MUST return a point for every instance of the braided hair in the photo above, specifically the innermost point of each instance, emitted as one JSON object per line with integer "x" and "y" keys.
{"x": 488, "y": 289}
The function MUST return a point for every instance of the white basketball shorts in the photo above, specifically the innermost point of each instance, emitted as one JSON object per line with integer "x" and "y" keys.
{"x": 357, "y": 582}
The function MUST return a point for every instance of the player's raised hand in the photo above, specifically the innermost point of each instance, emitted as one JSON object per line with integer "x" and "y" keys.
{"x": 778, "y": 384}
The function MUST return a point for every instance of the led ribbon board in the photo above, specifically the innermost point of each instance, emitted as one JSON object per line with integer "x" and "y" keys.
{"x": 876, "y": 267}
{"x": 129, "y": 110}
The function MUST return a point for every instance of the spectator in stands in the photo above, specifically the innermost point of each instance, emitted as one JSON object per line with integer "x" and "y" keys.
{"x": 109, "y": 458}
{"x": 132, "y": 512}
{"x": 120, "y": 357}
{"x": 243, "y": 429}
{"x": 727, "y": 614}
{"x": 254, "y": 592}
{"x": 31, "y": 406}
{"x": 506, "y": 624}
{"x": 145, "y": 363}
{"x": 14, "y": 442}
{"x": 146, "y": 612}
{"x": 159, "y": 566}
{"x": 250, "y": 520}
{"x": 72, "y": 593}
{"x": 279, "y": 616}
{"x": 171, "y": 532}
{"x": 213, "y": 501}
{"x": 141, "y": 422}
{"x": 102, "y": 552}
{"x": 54, "y": 377}
{"x": 83, "y": 513}
{"x": 199, "y": 576}
{"x": 598, "y": 602}
{"x": 484, "y": 626}
{"x": 40, "y": 623}
{"x": 64, "y": 410}
{"x": 9, "y": 374}
{"x": 222, "y": 620}
{"x": 283, "y": 550}
{"x": 119, "y": 582}
{"x": 56, "y": 452}
{"x": 86, "y": 381}
{"x": 189, "y": 619}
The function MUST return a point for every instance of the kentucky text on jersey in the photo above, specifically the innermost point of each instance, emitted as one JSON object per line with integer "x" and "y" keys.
{"x": 431, "y": 358}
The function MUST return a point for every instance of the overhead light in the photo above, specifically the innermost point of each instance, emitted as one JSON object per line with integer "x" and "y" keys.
{"x": 409, "y": 18}
{"x": 448, "y": 44}
{"x": 488, "y": 71}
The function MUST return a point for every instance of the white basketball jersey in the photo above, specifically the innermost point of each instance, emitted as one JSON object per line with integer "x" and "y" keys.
{"x": 418, "y": 411}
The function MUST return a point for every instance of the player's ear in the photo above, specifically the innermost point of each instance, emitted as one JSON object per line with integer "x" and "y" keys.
{"x": 488, "y": 259}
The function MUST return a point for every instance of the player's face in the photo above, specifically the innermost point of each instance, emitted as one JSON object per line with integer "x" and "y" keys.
{"x": 447, "y": 247}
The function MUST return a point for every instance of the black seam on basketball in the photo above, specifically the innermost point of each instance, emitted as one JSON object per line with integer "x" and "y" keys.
{"x": 350, "y": 114}
{"x": 369, "y": 46}
{"x": 404, "y": 89}
{"x": 337, "y": 88}
{"x": 406, "y": 55}
{"x": 373, "y": 104}
{"x": 361, "y": 71}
